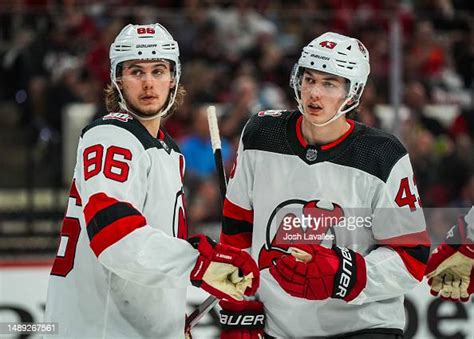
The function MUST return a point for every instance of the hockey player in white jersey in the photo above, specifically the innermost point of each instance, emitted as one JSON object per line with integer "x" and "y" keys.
{"x": 328, "y": 207}
{"x": 450, "y": 269}
{"x": 124, "y": 263}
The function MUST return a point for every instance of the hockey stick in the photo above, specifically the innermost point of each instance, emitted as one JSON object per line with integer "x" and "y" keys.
{"x": 217, "y": 149}
{"x": 207, "y": 305}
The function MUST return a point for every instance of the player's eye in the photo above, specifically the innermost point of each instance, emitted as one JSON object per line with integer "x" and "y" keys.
{"x": 308, "y": 80}
{"x": 329, "y": 84}
{"x": 137, "y": 72}
{"x": 158, "y": 72}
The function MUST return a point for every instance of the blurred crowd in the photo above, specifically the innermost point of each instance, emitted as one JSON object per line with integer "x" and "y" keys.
{"x": 238, "y": 55}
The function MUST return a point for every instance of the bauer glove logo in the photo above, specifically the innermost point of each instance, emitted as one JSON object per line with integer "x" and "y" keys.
{"x": 249, "y": 320}
{"x": 345, "y": 277}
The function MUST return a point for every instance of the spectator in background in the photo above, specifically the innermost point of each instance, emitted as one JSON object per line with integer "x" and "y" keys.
{"x": 97, "y": 59}
{"x": 467, "y": 192}
{"x": 244, "y": 103}
{"x": 197, "y": 148}
{"x": 366, "y": 110}
{"x": 463, "y": 125}
{"x": 463, "y": 52}
{"x": 238, "y": 28}
{"x": 199, "y": 39}
{"x": 416, "y": 99}
{"x": 202, "y": 203}
{"x": 426, "y": 57}
{"x": 269, "y": 59}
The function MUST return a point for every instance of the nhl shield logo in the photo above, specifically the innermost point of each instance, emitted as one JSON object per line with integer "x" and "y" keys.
{"x": 165, "y": 146}
{"x": 311, "y": 154}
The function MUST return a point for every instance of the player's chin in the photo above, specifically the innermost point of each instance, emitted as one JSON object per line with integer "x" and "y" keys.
{"x": 315, "y": 118}
{"x": 148, "y": 111}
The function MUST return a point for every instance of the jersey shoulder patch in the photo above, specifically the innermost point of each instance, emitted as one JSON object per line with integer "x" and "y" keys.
{"x": 128, "y": 123}
{"x": 266, "y": 131}
{"x": 373, "y": 151}
{"x": 124, "y": 117}
{"x": 270, "y": 113}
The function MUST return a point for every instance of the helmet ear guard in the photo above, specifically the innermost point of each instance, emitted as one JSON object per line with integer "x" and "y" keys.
{"x": 339, "y": 55}
{"x": 145, "y": 42}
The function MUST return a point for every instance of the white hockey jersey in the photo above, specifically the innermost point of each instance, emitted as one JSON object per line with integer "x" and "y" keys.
{"x": 365, "y": 175}
{"x": 121, "y": 270}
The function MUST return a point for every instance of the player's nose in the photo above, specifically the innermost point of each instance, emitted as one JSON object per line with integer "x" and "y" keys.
{"x": 315, "y": 92}
{"x": 147, "y": 81}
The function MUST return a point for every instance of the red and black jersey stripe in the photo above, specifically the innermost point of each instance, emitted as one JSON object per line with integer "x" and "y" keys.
{"x": 237, "y": 225}
{"x": 109, "y": 220}
{"x": 414, "y": 249}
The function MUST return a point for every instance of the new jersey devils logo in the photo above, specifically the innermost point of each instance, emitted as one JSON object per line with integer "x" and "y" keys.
{"x": 180, "y": 225}
{"x": 298, "y": 221}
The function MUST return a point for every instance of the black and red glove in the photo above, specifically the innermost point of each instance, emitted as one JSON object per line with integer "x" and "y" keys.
{"x": 223, "y": 271}
{"x": 242, "y": 319}
{"x": 450, "y": 269}
{"x": 327, "y": 273}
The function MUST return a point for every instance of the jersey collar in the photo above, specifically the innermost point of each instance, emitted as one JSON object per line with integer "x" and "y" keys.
{"x": 161, "y": 135}
{"x": 317, "y": 153}
{"x": 325, "y": 147}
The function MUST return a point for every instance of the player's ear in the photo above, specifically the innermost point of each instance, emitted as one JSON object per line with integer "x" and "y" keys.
{"x": 172, "y": 82}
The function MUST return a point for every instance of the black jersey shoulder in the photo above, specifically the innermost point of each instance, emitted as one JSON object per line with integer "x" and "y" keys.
{"x": 373, "y": 151}
{"x": 125, "y": 121}
{"x": 266, "y": 131}
{"x": 367, "y": 149}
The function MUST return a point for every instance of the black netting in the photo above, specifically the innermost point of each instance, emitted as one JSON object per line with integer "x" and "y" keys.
{"x": 372, "y": 151}
{"x": 268, "y": 133}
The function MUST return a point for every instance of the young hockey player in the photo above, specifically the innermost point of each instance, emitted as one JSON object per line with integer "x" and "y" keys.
{"x": 123, "y": 262}
{"x": 450, "y": 268}
{"x": 328, "y": 207}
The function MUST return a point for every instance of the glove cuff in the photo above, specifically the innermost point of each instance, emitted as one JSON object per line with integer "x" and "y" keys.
{"x": 351, "y": 276}
{"x": 205, "y": 246}
{"x": 241, "y": 315}
{"x": 467, "y": 250}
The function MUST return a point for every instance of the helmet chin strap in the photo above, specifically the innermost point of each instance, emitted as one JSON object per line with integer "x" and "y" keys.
{"x": 338, "y": 114}
{"x": 122, "y": 104}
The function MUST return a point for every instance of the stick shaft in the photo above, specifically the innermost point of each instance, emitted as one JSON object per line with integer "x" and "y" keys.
{"x": 217, "y": 149}
{"x": 207, "y": 305}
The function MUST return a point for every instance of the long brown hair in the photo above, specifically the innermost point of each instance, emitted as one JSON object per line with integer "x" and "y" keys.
{"x": 112, "y": 99}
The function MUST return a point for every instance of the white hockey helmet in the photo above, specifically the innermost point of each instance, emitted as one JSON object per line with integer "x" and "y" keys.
{"x": 339, "y": 55}
{"x": 144, "y": 42}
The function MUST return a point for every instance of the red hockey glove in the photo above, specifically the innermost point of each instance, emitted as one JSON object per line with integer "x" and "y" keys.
{"x": 242, "y": 319}
{"x": 223, "y": 271}
{"x": 450, "y": 269}
{"x": 450, "y": 272}
{"x": 330, "y": 273}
